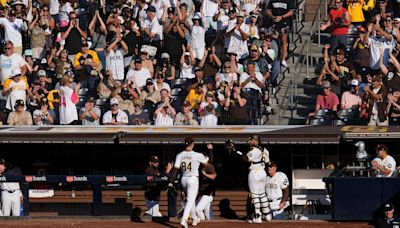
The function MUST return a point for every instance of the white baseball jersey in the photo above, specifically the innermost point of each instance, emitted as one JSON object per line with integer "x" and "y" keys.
{"x": 275, "y": 185}
{"x": 258, "y": 158}
{"x": 189, "y": 162}
{"x": 387, "y": 163}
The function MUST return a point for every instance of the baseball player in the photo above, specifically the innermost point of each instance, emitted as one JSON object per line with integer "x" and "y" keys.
{"x": 188, "y": 162}
{"x": 11, "y": 196}
{"x": 207, "y": 187}
{"x": 152, "y": 193}
{"x": 277, "y": 191}
{"x": 257, "y": 178}
{"x": 386, "y": 165}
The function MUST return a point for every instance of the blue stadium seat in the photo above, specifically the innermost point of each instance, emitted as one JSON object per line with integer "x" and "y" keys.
{"x": 324, "y": 114}
{"x": 321, "y": 122}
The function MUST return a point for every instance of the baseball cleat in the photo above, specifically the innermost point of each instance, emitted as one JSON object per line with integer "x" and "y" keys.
{"x": 195, "y": 222}
{"x": 257, "y": 220}
{"x": 184, "y": 223}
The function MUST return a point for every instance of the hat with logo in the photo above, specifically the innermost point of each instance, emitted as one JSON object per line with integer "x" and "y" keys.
{"x": 240, "y": 14}
{"x": 326, "y": 84}
{"x": 232, "y": 10}
{"x": 171, "y": 10}
{"x": 354, "y": 82}
{"x": 151, "y": 9}
{"x": 114, "y": 101}
{"x": 41, "y": 73}
{"x": 388, "y": 207}
{"x": 149, "y": 81}
{"x": 339, "y": 51}
{"x": 28, "y": 52}
{"x": 2, "y": 162}
{"x": 381, "y": 147}
{"x": 254, "y": 47}
{"x": 189, "y": 140}
{"x": 91, "y": 99}
{"x": 138, "y": 60}
{"x": 271, "y": 164}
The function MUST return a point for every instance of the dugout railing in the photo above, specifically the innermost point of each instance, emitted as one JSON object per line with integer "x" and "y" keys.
{"x": 96, "y": 182}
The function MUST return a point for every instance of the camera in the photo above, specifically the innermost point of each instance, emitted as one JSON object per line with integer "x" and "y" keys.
{"x": 230, "y": 146}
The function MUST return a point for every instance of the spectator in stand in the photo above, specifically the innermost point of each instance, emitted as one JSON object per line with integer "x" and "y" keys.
{"x": 68, "y": 99}
{"x": 209, "y": 100}
{"x": 260, "y": 63}
{"x": 235, "y": 104}
{"x": 377, "y": 95}
{"x": 146, "y": 61}
{"x": 186, "y": 117}
{"x": 15, "y": 88}
{"x": 90, "y": 114}
{"x": 228, "y": 75}
{"x": 164, "y": 114}
{"x": 339, "y": 19}
{"x": 355, "y": 9}
{"x": 13, "y": 28}
{"x": 98, "y": 31}
{"x": 270, "y": 54}
{"x": 351, "y": 99}
{"x": 159, "y": 83}
{"x": 139, "y": 116}
{"x": 238, "y": 31}
{"x": 115, "y": 57}
{"x": 382, "y": 9}
{"x": 377, "y": 39}
{"x": 87, "y": 65}
{"x": 280, "y": 11}
{"x": 19, "y": 116}
{"x": 73, "y": 36}
{"x": 115, "y": 116}
{"x": 44, "y": 116}
{"x": 152, "y": 30}
{"x": 37, "y": 30}
{"x": 107, "y": 84}
{"x": 137, "y": 77}
{"x": 327, "y": 100}
{"x": 187, "y": 63}
{"x": 198, "y": 42}
{"x": 62, "y": 64}
{"x": 10, "y": 61}
{"x": 210, "y": 63}
{"x": 149, "y": 95}
{"x": 208, "y": 9}
{"x": 343, "y": 68}
{"x": 174, "y": 37}
{"x": 209, "y": 119}
{"x": 394, "y": 103}
{"x": 196, "y": 95}
{"x": 167, "y": 68}
{"x": 131, "y": 37}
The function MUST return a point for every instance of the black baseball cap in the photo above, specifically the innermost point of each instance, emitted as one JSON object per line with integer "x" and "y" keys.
{"x": 171, "y": 10}
{"x": 388, "y": 207}
{"x": 2, "y": 162}
{"x": 255, "y": 137}
{"x": 151, "y": 9}
{"x": 19, "y": 103}
{"x": 381, "y": 147}
{"x": 138, "y": 60}
{"x": 271, "y": 164}
{"x": 189, "y": 140}
{"x": 154, "y": 158}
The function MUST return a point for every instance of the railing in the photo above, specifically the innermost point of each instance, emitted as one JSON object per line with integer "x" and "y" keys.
{"x": 317, "y": 19}
{"x": 287, "y": 101}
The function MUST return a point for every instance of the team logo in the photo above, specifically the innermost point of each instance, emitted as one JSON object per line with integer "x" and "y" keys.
{"x": 70, "y": 179}
{"x": 28, "y": 178}
{"x": 109, "y": 179}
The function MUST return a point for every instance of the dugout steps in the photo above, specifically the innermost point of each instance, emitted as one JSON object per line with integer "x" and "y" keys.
{"x": 117, "y": 202}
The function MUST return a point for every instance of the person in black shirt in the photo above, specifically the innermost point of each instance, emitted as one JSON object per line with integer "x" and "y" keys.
{"x": 131, "y": 37}
{"x": 280, "y": 12}
{"x": 73, "y": 36}
{"x": 207, "y": 187}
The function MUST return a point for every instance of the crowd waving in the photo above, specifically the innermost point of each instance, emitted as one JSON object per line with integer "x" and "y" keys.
{"x": 160, "y": 62}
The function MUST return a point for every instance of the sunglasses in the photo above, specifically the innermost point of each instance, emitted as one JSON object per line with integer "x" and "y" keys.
{"x": 45, "y": 9}
{"x": 388, "y": 20}
{"x": 7, "y": 48}
{"x": 72, "y": 18}
{"x": 253, "y": 50}
{"x": 136, "y": 106}
{"x": 227, "y": 67}
{"x": 326, "y": 87}
{"x": 114, "y": 105}
{"x": 338, "y": 2}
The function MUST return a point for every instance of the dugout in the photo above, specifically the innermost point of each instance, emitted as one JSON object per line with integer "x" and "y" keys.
{"x": 120, "y": 151}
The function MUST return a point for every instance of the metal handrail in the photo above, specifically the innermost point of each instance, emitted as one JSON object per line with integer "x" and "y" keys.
{"x": 286, "y": 103}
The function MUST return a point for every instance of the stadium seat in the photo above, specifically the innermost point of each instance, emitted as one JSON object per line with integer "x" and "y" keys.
{"x": 179, "y": 83}
{"x": 347, "y": 113}
{"x": 81, "y": 103}
{"x": 321, "y": 122}
{"x": 394, "y": 121}
{"x": 83, "y": 92}
{"x": 324, "y": 114}
{"x": 102, "y": 102}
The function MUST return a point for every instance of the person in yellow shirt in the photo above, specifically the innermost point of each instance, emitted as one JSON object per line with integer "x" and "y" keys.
{"x": 15, "y": 88}
{"x": 355, "y": 8}
{"x": 196, "y": 95}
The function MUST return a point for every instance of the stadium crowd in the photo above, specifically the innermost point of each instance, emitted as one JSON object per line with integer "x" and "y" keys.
{"x": 360, "y": 76}
{"x": 161, "y": 62}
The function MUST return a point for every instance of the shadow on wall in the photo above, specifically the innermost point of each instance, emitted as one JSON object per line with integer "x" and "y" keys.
{"x": 226, "y": 210}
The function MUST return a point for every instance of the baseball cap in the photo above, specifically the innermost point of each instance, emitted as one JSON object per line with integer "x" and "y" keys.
{"x": 240, "y": 14}
{"x": 388, "y": 207}
{"x": 255, "y": 137}
{"x": 149, "y": 81}
{"x": 43, "y": 100}
{"x": 231, "y": 10}
{"x": 85, "y": 43}
{"x": 339, "y": 51}
{"x": 198, "y": 69}
{"x": 254, "y": 47}
{"x": 196, "y": 17}
{"x": 397, "y": 19}
{"x": 2, "y": 162}
{"x": 151, "y": 9}
{"x": 171, "y": 10}
{"x": 91, "y": 99}
{"x": 326, "y": 84}
{"x": 154, "y": 158}
{"x": 165, "y": 55}
{"x": 209, "y": 94}
{"x": 16, "y": 72}
{"x": 253, "y": 15}
{"x": 138, "y": 60}
{"x": 114, "y": 101}
{"x": 187, "y": 53}
{"x": 354, "y": 82}
{"x": 19, "y": 103}
{"x": 41, "y": 73}
{"x": 381, "y": 147}
{"x": 28, "y": 52}
{"x": 377, "y": 78}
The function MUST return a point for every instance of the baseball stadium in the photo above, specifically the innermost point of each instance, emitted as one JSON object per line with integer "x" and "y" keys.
{"x": 207, "y": 113}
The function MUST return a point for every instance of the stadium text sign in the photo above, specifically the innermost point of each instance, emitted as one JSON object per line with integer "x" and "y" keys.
{"x": 35, "y": 178}
{"x": 70, "y": 179}
{"x": 110, "y": 179}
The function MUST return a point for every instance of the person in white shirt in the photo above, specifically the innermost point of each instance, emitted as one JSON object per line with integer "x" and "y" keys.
{"x": 137, "y": 77}
{"x": 152, "y": 27}
{"x": 115, "y": 116}
{"x": 164, "y": 114}
{"x": 68, "y": 99}
{"x": 198, "y": 34}
{"x": 249, "y": 6}
{"x": 10, "y": 61}
{"x": 386, "y": 164}
{"x": 11, "y": 195}
{"x": 381, "y": 40}
{"x": 238, "y": 33}
{"x": 277, "y": 189}
{"x": 188, "y": 162}
{"x": 208, "y": 9}
{"x": 15, "y": 88}
{"x": 252, "y": 80}
{"x": 187, "y": 63}
{"x": 115, "y": 58}
{"x": 210, "y": 119}
{"x": 159, "y": 83}
{"x": 160, "y": 6}
{"x": 13, "y": 27}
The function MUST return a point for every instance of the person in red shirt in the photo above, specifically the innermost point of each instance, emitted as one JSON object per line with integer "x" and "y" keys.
{"x": 339, "y": 19}
{"x": 326, "y": 100}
